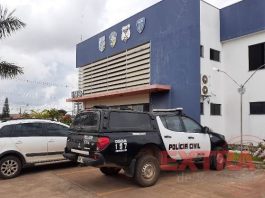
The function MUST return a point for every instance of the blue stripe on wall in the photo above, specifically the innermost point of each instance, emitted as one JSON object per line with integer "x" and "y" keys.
{"x": 245, "y": 17}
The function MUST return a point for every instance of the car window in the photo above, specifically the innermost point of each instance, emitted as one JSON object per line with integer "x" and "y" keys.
{"x": 6, "y": 131}
{"x": 191, "y": 126}
{"x": 87, "y": 121}
{"x": 128, "y": 121}
{"x": 27, "y": 130}
{"x": 173, "y": 123}
{"x": 56, "y": 130}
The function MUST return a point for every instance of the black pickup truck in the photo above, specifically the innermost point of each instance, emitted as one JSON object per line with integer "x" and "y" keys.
{"x": 141, "y": 143}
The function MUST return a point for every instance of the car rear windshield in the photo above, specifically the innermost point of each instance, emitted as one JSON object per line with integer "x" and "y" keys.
{"x": 86, "y": 122}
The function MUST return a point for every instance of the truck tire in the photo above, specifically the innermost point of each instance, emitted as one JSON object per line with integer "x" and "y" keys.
{"x": 147, "y": 170}
{"x": 110, "y": 171}
{"x": 10, "y": 167}
{"x": 218, "y": 160}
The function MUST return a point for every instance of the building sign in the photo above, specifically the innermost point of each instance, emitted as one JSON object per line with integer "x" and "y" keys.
{"x": 102, "y": 43}
{"x": 113, "y": 39}
{"x": 126, "y": 33}
{"x": 77, "y": 94}
{"x": 140, "y": 24}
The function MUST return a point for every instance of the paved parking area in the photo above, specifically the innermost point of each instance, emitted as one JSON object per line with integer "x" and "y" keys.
{"x": 66, "y": 180}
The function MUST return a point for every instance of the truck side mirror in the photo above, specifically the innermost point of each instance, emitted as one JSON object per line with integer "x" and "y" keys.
{"x": 206, "y": 130}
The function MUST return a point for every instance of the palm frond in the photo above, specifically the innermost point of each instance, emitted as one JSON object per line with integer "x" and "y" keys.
{"x": 9, "y": 23}
{"x": 9, "y": 70}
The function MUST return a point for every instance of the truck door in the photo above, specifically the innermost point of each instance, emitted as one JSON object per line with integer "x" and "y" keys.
{"x": 174, "y": 137}
{"x": 199, "y": 141}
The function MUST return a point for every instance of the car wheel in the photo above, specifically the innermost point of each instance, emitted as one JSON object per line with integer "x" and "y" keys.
{"x": 147, "y": 170}
{"x": 218, "y": 161}
{"x": 110, "y": 171}
{"x": 10, "y": 167}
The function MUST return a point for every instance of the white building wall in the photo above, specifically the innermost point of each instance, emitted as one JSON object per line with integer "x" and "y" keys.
{"x": 236, "y": 63}
{"x": 210, "y": 38}
{"x": 222, "y": 90}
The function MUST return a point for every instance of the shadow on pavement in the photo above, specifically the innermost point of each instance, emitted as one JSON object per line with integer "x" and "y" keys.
{"x": 49, "y": 167}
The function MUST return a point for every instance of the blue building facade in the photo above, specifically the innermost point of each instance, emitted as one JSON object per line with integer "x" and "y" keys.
{"x": 173, "y": 29}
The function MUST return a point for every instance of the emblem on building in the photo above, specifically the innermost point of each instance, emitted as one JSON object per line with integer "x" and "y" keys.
{"x": 113, "y": 39}
{"x": 102, "y": 43}
{"x": 126, "y": 33}
{"x": 140, "y": 24}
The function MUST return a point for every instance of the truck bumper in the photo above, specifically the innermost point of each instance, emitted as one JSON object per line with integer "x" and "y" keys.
{"x": 85, "y": 160}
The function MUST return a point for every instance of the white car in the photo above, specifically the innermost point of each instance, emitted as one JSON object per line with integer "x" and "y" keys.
{"x": 30, "y": 142}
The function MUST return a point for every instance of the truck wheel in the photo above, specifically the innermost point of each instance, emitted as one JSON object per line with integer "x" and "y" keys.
{"x": 10, "y": 167}
{"x": 110, "y": 171}
{"x": 218, "y": 161}
{"x": 147, "y": 170}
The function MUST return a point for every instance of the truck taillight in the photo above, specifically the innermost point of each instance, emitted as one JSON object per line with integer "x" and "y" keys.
{"x": 102, "y": 143}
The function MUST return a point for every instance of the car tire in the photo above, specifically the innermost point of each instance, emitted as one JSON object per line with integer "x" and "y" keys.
{"x": 147, "y": 170}
{"x": 218, "y": 160}
{"x": 110, "y": 171}
{"x": 10, "y": 167}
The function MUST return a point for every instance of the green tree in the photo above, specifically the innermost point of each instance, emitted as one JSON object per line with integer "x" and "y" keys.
{"x": 50, "y": 114}
{"x": 62, "y": 112}
{"x": 6, "y": 111}
{"x": 66, "y": 119}
{"x": 8, "y": 25}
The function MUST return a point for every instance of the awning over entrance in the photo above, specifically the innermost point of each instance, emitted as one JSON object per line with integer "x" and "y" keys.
{"x": 123, "y": 92}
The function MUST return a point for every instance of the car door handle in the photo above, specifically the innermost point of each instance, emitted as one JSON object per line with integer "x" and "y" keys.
{"x": 191, "y": 138}
{"x": 51, "y": 141}
{"x": 19, "y": 142}
{"x": 167, "y": 136}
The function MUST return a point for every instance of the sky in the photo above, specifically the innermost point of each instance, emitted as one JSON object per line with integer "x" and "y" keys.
{"x": 46, "y": 47}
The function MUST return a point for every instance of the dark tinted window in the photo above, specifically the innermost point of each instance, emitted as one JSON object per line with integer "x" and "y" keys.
{"x": 215, "y": 109}
{"x": 27, "y": 130}
{"x": 256, "y": 56}
{"x": 87, "y": 122}
{"x": 87, "y": 119}
{"x": 257, "y": 108}
{"x": 56, "y": 130}
{"x": 6, "y": 131}
{"x": 214, "y": 55}
{"x": 191, "y": 125}
{"x": 130, "y": 121}
{"x": 173, "y": 123}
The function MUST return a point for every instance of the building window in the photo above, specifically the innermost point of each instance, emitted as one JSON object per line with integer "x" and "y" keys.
{"x": 215, "y": 109}
{"x": 257, "y": 108}
{"x": 256, "y": 55}
{"x": 214, "y": 55}
{"x": 202, "y": 51}
{"x": 138, "y": 107}
{"x": 202, "y": 108}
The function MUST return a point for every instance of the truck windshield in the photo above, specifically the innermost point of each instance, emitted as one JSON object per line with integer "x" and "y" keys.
{"x": 86, "y": 122}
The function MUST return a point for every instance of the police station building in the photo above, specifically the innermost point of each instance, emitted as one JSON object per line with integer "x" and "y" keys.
{"x": 163, "y": 57}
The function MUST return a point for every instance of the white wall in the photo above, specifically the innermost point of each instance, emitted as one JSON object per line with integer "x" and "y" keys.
{"x": 210, "y": 38}
{"x": 236, "y": 63}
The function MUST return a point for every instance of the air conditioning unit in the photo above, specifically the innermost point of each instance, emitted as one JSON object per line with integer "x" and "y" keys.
{"x": 205, "y": 85}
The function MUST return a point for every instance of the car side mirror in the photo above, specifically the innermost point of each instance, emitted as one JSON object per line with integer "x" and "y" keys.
{"x": 205, "y": 130}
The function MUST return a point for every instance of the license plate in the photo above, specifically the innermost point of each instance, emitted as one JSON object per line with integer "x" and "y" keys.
{"x": 80, "y": 159}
